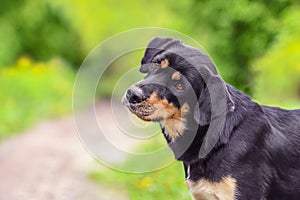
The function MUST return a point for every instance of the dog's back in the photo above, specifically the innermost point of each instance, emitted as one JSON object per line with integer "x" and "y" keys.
{"x": 283, "y": 147}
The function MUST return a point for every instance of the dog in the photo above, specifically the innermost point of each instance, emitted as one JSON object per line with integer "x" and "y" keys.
{"x": 231, "y": 147}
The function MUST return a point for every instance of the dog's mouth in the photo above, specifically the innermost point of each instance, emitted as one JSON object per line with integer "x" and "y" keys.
{"x": 155, "y": 109}
{"x": 143, "y": 109}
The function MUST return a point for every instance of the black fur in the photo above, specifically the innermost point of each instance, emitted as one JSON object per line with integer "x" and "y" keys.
{"x": 259, "y": 146}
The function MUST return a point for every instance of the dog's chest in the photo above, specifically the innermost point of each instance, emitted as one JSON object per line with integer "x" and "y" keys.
{"x": 206, "y": 190}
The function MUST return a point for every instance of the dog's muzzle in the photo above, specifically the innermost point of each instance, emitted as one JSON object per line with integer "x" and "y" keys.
{"x": 134, "y": 95}
{"x": 135, "y": 101}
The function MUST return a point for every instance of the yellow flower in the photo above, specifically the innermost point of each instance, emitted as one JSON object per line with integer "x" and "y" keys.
{"x": 145, "y": 183}
{"x": 39, "y": 68}
{"x": 24, "y": 62}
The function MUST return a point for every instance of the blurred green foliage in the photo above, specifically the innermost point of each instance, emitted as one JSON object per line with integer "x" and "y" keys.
{"x": 96, "y": 20}
{"x": 236, "y": 32}
{"x": 114, "y": 72}
{"x": 277, "y": 79}
{"x": 39, "y": 30}
{"x": 31, "y": 91}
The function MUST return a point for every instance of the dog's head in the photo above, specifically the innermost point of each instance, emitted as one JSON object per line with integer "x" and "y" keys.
{"x": 175, "y": 90}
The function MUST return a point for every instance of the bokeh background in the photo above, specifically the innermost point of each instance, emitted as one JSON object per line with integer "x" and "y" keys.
{"x": 254, "y": 44}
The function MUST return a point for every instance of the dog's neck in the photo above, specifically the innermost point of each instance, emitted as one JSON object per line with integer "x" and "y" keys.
{"x": 188, "y": 142}
{"x": 186, "y": 148}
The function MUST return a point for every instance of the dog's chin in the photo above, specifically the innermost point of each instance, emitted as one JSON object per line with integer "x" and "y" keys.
{"x": 141, "y": 110}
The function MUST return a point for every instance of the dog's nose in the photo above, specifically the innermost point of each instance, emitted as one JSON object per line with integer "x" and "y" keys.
{"x": 134, "y": 95}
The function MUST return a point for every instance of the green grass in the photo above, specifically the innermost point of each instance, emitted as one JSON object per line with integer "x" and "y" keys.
{"x": 32, "y": 91}
{"x": 167, "y": 183}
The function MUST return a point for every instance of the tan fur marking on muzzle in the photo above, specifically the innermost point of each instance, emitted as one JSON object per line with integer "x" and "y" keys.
{"x": 169, "y": 116}
{"x": 175, "y": 126}
{"x": 206, "y": 190}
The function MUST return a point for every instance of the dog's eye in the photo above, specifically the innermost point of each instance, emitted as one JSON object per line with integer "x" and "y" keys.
{"x": 179, "y": 86}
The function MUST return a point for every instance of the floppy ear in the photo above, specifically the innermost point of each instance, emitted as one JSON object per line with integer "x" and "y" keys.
{"x": 156, "y": 46}
{"x": 215, "y": 92}
{"x": 202, "y": 111}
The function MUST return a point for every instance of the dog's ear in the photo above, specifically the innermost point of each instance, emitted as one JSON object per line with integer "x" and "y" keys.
{"x": 214, "y": 97}
{"x": 202, "y": 112}
{"x": 215, "y": 103}
{"x": 156, "y": 46}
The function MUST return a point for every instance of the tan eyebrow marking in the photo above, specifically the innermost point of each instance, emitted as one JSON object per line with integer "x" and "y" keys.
{"x": 176, "y": 76}
{"x": 164, "y": 63}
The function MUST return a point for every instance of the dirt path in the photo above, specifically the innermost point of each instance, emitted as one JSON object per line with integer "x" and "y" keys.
{"x": 49, "y": 162}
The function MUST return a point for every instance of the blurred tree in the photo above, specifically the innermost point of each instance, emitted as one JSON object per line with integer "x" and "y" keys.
{"x": 39, "y": 30}
{"x": 278, "y": 71}
{"x": 237, "y": 32}
{"x": 6, "y": 6}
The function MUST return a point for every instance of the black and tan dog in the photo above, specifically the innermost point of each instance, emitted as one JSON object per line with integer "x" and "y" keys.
{"x": 230, "y": 146}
